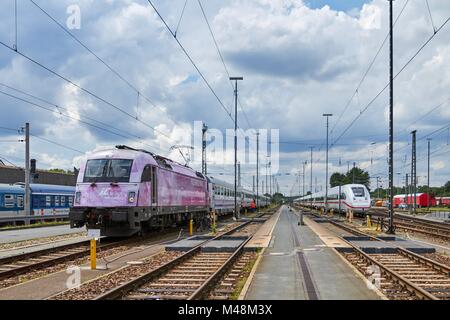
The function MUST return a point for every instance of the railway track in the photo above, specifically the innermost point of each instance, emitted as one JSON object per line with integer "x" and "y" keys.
{"x": 401, "y": 274}
{"x": 193, "y": 275}
{"x": 439, "y": 230}
{"x": 23, "y": 263}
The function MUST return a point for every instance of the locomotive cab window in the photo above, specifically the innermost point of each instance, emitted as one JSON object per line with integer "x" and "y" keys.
{"x": 358, "y": 191}
{"x": 147, "y": 174}
{"x": 108, "y": 170}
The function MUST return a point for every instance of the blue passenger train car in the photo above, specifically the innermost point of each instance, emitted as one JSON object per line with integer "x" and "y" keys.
{"x": 46, "y": 200}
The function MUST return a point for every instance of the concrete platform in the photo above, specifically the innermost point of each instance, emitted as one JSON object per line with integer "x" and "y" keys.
{"x": 263, "y": 235}
{"x": 225, "y": 244}
{"x": 187, "y": 244}
{"x": 389, "y": 245}
{"x": 47, "y": 286}
{"x": 328, "y": 238}
{"x": 298, "y": 265}
{"x": 8, "y": 236}
{"x": 37, "y": 247}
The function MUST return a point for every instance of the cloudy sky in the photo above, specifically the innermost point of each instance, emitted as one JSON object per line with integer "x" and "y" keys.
{"x": 131, "y": 83}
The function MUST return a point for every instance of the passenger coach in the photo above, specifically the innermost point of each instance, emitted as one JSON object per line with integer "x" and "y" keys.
{"x": 124, "y": 191}
{"x": 46, "y": 200}
{"x": 355, "y": 197}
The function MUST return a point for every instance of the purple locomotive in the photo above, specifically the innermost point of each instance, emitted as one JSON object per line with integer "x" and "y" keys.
{"x": 125, "y": 191}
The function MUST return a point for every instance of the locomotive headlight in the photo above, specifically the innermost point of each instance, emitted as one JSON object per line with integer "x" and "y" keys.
{"x": 131, "y": 196}
{"x": 77, "y": 197}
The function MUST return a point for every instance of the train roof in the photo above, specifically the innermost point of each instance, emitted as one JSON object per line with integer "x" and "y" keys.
{"x": 220, "y": 182}
{"x": 141, "y": 158}
{"x": 10, "y": 188}
{"x": 49, "y": 188}
{"x": 37, "y": 188}
{"x": 320, "y": 193}
{"x": 404, "y": 195}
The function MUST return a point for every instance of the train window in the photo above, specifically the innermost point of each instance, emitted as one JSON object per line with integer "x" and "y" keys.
{"x": 358, "y": 191}
{"x": 63, "y": 201}
{"x": 95, "y": 169}
{"x": 9, "y": 201}
{"x": 48, "y": 201}
{"x": 20, "y": 201}
{"x": 343, "y": 197}
{"x": 147, "y": 174}
{"x": 104, "y": 170}
{"x": 119, "y": 169}
{"x": 70, "y": 201}
{"x": 56, "y": 201}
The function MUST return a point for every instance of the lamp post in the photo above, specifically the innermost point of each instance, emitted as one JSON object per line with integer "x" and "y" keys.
{"x": 235, "y": 79}
{"x": 327, "y": 115}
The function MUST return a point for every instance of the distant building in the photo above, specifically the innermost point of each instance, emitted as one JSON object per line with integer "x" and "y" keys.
{"x": 11, "y": 175}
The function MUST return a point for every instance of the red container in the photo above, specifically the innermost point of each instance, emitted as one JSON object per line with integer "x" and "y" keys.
{"x": 421, "y": 200}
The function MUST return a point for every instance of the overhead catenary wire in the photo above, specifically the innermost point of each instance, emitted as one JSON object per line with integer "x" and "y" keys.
{"x": 44, "y": 139}
{"x": 368, "y": 69}
{"x": 387, "y": 85}
{"x": 431, "y": 16}
{"x": 125, "y": 135}
{"x": 219, "y": 52}
{"x": 11, "y": 163}
{"x": 181, "y": 17}
{"x": 113, "y": 70}
{"x": 191, "y": 60}
{"x": 59, "y": 108}
{"x": 82, "y": 88}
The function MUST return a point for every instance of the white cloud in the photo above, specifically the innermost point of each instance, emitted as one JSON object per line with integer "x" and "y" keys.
{"x": 297, "y": 63}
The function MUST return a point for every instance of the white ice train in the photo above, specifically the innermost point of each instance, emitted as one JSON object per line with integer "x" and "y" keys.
{"x": 352, "y": 196}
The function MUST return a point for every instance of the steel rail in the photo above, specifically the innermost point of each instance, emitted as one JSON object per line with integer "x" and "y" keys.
{"x": 123, "y": 289}
{"x": 408, "y": 285}
{"x": 24, "y": 268}
{"x": 36, "y": 254}
{"x": 212, "y": 281}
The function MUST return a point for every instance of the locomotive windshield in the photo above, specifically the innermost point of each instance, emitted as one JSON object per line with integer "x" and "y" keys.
{"x": 358, "y": 191}
{"x": 108, "y": 170}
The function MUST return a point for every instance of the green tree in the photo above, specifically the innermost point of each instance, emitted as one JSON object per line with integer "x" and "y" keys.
{"x": 57, "y": 170}
{"x": 447, "y": 187}
{"x": 277, "y": 198}
{"x": 337, "y": 179}
{"x": 62, "y": 171}
{"x": 357, "y": 175}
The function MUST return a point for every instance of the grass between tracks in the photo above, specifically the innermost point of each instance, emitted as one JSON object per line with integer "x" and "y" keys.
{"x": 241, "y": 283}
